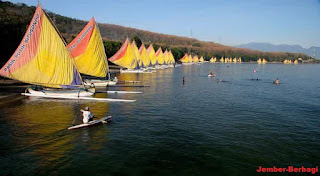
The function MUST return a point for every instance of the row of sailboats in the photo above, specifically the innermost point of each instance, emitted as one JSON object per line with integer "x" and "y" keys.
{"x": 142, "y": 60}
{"x": 188, "y": 59}
{"x": 43, "y": 59}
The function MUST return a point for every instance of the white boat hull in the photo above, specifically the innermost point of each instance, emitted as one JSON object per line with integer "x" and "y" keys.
{"x": 77, "y": 98}
{"x": 99, "y": 83}
{"x": 134, "y": 71}
{"x": 64, "y": 93}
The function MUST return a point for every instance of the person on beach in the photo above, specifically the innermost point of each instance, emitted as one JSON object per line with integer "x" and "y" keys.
{"x": 87, "y": 115}
{"x": 276, "y": 81}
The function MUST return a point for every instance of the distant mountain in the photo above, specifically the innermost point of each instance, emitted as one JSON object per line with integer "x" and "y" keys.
{"x": 268, "y": 47}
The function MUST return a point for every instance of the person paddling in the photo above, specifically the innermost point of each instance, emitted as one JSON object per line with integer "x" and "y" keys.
{"x": 87, "y": 115}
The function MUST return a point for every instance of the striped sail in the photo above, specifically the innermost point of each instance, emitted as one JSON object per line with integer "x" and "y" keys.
{"x": 144, "y": 56}
{"x": 125, "y": 57}
{"x": 42, "y": 58}
{"x": 185, "y": 58}
{"x": 152, "y": 55}
{"x": 159, "y": 56}
{"x": 88, "y": 52}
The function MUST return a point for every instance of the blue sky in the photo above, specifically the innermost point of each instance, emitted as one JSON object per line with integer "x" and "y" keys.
{"x": 229, "y": 22}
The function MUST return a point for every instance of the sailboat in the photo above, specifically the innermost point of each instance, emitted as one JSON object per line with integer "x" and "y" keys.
{"x": 259, "y": 61}
{"x": 160, "y": 58}
{"x": 125, "y": 57}
{"x": 144, "y": 56}
{"x": 137, "y": 54}
{"x": 172, "y": 61}
{"x": 201, "y": 60}
{"x": 42, "y": 59}
{"x": 89, "y": 55}
{"x": 152, "y": 56}
{"x": 185, "y": 59}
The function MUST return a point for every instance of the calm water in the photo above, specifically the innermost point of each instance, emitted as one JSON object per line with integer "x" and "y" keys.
{"x": 200, "y": 128}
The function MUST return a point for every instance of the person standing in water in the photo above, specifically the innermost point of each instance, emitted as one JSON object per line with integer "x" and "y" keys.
{"x": 276, "y": 81}
{"x": 183, "y": 81}
{"x": 87, "y": 115}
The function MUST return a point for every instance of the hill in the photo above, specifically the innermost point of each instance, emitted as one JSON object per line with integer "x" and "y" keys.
{"x": 268, "y": 47}
{"x": 15, "y": 18}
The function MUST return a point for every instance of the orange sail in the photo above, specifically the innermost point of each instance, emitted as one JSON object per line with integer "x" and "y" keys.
{"x": 88, "y": 51}
{"x": 125, "y": 57}
{"x": 42, "y": 57}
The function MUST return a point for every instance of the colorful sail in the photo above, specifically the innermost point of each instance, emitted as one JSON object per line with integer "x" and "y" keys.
{"x": 166, "y": 57}
{"x": 195, "y": 59}
{"x": 172, "y": 60}
{"x": 88, "y": 52}
{"x": 185, "y": 58}
{"x": 125, "y": 57}
{"x": 152, "y": 55}
{"x": 136, "y": 52}
{"x": 42, "y": 57}
{"x": 159, "y": 56}
{"x": 144, "y": 56}
{"x": 190, "y": 58}
{"x": 201, "y": 59}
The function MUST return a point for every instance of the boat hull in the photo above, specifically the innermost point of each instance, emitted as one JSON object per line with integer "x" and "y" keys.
{"x": 99, "y": 83}
{"x": 92, "y": 123}
{"x": 64, "y": 93}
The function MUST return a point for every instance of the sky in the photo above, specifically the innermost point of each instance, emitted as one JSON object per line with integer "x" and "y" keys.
{"x": 229, "y": 22}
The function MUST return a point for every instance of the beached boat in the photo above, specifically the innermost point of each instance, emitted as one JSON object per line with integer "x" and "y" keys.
{"x": 88, "y": 53}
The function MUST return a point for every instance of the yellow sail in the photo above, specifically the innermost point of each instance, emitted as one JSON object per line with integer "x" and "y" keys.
{"x": 296, "y": 61}
{"x": 136, "y": 52}
{"x": 166, "y": 57}
{"x": 264, "y": 61}
{"x": 152, "y": 55}
{"x": 88, "y": 51}
{"x": 185, "y": 58}
{"x": 190, "y": 58}
{"x": 125, "y": 57}
{"x": 222, "y": 60}
{"x": 172, "y": 60}
{"x": 144, "y": 56}
{"x": 259, "y": 61}
{"x": 195, "y": 59}
{"x": 42, "y": 57}
{"x": 201, "y": 59}
{"x": 159, "y": 56}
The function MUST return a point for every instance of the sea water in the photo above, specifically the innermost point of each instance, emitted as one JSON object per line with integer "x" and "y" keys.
{"x": 230, "y": 124}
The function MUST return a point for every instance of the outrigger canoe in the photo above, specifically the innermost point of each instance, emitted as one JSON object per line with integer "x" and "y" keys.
{"x": 92, "y": 123}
